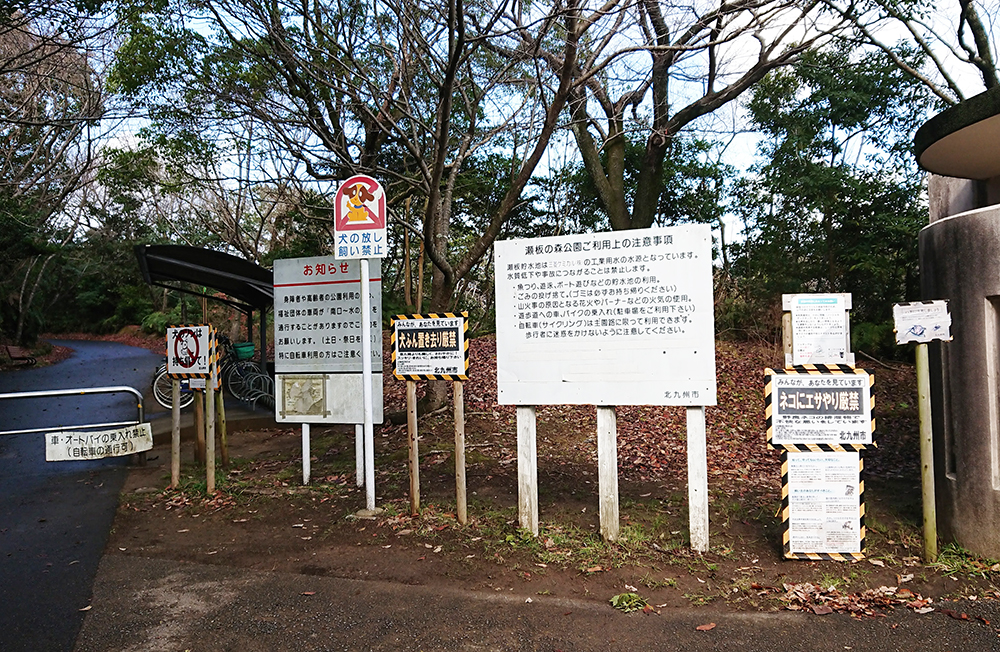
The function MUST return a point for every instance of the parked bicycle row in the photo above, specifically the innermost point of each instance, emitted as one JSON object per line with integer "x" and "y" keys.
{"x": 241, "y": 377}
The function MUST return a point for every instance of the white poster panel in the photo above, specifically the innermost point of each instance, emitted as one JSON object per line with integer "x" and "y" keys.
{"x": 821, "y": 409}
{"x": 325, "y": 398}
{"x": 66, "y": 446}
{"x": 922, "y": 321}
{"x": 317, "y": 315}
{"x": 820, "y": 333}
{"x": 188, "y": 350}
{"x": 622, "y": 318}
{"x": 824, "y": 503}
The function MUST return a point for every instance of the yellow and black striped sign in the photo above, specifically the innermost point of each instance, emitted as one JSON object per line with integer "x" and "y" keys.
{"x": 857, "y": 527}
{"x": 434, "y": 346}
{"x": 832, "y": 411}
{"x": 184, "y": 349}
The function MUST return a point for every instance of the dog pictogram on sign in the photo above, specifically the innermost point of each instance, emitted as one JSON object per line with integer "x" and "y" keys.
{"x": 360, "y": 219}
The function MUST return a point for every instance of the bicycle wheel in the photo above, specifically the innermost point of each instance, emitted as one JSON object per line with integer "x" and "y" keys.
{"x": 163, "y": 391}
{"x": 237, "y": 378}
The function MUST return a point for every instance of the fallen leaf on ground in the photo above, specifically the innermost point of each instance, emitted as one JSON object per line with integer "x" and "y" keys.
{"x": 705, "y": 628}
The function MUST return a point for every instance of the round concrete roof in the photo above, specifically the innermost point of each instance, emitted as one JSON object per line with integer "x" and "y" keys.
{"x": 964, "y": 140}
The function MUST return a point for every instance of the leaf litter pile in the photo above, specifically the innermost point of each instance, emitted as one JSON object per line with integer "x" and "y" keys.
{"x": 261, "y": 494}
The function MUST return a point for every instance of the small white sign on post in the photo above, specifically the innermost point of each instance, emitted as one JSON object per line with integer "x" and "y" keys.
{"x": 922, "y": 321}
{"x": 820, "y": 328}
{"x": 66, "y": 446}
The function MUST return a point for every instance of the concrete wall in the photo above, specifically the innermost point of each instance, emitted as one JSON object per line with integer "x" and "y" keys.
{"x": 960, "y": 261}
{"x": 949, "y": 196}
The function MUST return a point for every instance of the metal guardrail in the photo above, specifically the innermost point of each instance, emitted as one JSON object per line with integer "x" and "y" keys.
{"x": 76, "y": 392}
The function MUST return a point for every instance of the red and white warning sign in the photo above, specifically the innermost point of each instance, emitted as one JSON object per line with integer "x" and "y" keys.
{"x": 189, "y": 350}
{"x": 359, "y": 223}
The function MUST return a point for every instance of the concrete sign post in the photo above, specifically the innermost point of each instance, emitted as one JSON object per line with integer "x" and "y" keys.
{"x": 359, "y": 226}
{"x": 606, "y": 319}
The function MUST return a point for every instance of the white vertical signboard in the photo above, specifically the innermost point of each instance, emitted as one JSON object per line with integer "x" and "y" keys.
{"x": 820, "y": 328}
{"x": 824, "y": 504}
{"x": 317, "y": 315}
{"x": 359, "y": 227}
{"x": 607, "y": 319}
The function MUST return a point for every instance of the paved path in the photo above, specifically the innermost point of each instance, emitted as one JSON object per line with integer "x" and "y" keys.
{"x": 152, "y": 605}
{"x": 55, "y": 517}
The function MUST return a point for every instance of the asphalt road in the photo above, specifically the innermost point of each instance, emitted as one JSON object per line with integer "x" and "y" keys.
{"x": 55, "y": 516}
{"x": 155, "y": 605}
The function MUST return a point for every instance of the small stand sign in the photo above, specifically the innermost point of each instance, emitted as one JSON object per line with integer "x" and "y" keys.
{"x": 191, "y": 353}
{"x": 433, "y": 347}
{"x": 820, "y": 414}
{"x": 822, "y": 506}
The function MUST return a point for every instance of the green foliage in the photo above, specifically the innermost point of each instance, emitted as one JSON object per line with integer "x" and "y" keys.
{"x": 629, "y": 602}
{"x": 156, "y": 323}
{"x": 835, "y": 204}
{"x": 694, "y": 185}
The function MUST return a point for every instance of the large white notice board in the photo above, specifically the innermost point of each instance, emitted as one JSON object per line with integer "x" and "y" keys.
{"x": 317, "y": 315}
{"x": 621, "y": 318}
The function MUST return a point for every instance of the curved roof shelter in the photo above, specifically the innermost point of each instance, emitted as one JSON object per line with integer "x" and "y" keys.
{"x": 964, "y": 140}
{"x": 250, "y": 286}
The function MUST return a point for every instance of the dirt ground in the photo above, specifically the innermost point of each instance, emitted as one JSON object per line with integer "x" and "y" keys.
{"x": 262, "y": 517}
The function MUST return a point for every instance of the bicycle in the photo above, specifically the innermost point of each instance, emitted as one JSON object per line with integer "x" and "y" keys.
{"x": 163, "y": 388}
{"x": 240, "y": 376}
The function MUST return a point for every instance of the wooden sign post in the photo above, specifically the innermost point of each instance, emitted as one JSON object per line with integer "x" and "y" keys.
{"x": 923, "y": 322}
{"x": 191, "y": 353}
{"x": 433, "y": 347}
